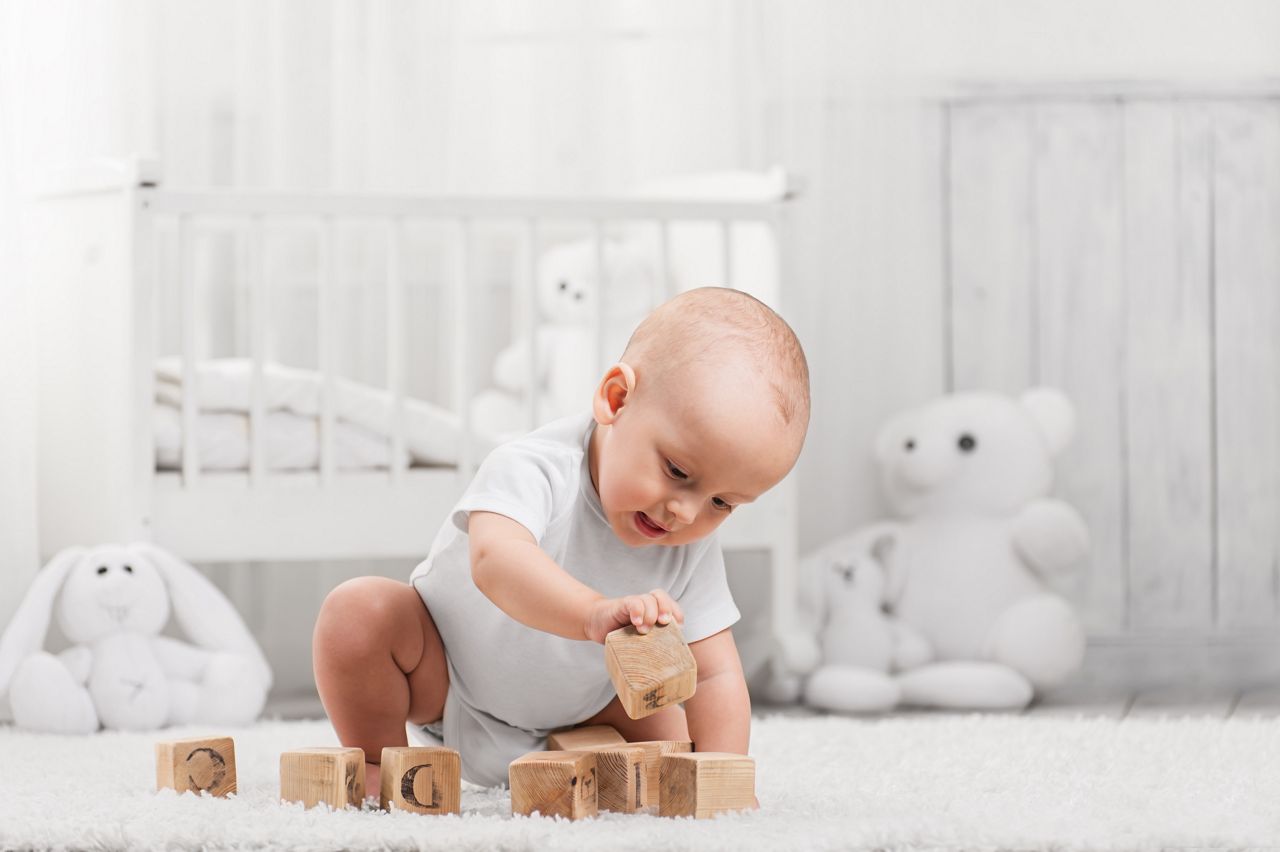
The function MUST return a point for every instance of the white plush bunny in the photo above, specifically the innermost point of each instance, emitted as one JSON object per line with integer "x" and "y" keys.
{"x": 121, "y": 673}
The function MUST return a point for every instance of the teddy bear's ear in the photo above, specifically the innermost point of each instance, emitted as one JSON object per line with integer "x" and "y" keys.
{"x": 1053, "y": 413}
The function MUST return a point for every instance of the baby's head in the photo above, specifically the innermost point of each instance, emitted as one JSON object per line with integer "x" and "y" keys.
{"x": 707, "y": 410}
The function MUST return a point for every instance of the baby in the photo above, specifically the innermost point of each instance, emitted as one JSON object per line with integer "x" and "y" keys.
{"x": 495, "y": 642}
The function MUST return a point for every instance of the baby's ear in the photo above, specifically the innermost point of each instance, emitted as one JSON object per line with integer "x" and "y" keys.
{"x": 613, "y": 392}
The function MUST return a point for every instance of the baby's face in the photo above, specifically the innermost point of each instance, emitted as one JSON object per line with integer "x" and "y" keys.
{"x": 675, "y": 464}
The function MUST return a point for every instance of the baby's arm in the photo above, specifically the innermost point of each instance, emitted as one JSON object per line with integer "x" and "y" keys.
{"x": 512, "y": 571}
{"x": 719, "y": 713}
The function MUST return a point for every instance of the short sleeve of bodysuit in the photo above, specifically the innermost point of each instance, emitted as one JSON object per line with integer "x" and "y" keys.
{"x": 705, "y": 599}
{"x": 519, "y": 480}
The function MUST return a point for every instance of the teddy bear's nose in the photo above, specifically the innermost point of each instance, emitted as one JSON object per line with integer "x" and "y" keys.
{"x": 910, "y": 444}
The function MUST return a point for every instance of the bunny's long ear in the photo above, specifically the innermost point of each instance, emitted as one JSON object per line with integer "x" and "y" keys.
{"x": 25, "y": 633}
{"x": 202, "y": 611}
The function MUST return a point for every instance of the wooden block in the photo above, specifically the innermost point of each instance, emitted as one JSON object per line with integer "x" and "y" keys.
{"x": 622, "y": 779}
{"x": 650, "y": 670}
{"x": 334, "y": 776}
{"x": 424, "y": 780}
{"x": 198, "y": 765}
{"x": 654, "y": 751}
{"x": 706, "y": 783}
{"x": 554, "y": 783}
{"x": 576, "y": 739}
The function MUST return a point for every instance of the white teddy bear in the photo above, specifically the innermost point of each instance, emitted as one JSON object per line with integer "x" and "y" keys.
{"x": 970, "y": 562}
{"x": 112, "y": 602}
{"x": 567, "y": 359}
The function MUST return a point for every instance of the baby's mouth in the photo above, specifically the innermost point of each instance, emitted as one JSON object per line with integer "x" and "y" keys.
{"x": 647, "y": 527}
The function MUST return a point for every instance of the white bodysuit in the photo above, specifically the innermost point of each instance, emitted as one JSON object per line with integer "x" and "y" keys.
{"x": 510, "y": 685}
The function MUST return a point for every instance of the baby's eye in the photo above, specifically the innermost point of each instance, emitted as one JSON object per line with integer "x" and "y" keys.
{"x": 722, "y": 505}
{"x": 675, "y": 472}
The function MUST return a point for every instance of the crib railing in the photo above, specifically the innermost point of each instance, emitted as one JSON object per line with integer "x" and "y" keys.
{"x": 95, "y": 239}
{"x": 250, "y": 213}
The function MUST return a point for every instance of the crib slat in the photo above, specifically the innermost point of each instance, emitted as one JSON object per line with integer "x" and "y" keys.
{"x": 395, "y": 345}
{"x": 602, "y": 288}
{"x": 190, "y": 410}
{"x": 664, "y": 260}
{"x": 254, "y": 243}
{"x": 326, "y": 344}
{"x": 531, "y": 317}
{"x": 461, "y": 336}
{"x": 726, "y": 246}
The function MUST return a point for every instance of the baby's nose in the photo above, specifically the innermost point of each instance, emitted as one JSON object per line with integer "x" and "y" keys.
{"x": 684, "y": 509}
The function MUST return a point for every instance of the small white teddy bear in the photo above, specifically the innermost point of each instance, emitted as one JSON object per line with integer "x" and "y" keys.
{"x": 972, "y": 556}
{"x": 112, "y": 602}
{"x": 863, "y": 644}
{"x": 566, "y": 356}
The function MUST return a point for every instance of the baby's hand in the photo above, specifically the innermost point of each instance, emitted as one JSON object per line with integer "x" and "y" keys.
{"x": 642, "y": 611}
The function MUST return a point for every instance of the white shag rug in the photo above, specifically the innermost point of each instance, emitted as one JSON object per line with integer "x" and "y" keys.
{"x": 914, "y": 782}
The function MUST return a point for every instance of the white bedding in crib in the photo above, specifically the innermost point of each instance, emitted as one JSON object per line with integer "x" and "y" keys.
{"x": 292, "y": 399}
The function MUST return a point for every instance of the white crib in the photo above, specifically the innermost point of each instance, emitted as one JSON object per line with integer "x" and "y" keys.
{"x": 98, "y": 238}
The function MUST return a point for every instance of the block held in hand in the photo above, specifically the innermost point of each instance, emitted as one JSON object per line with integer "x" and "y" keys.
{"x": 650, "y": 670}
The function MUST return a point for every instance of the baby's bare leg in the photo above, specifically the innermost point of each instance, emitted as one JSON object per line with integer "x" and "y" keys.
{"x": 379, "y": 662}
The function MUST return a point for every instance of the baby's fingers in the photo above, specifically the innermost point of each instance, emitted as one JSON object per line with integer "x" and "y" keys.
{"x": 635, "y": 610}
{"x": 667, "y": 607}
{"x": 650, "y": 615}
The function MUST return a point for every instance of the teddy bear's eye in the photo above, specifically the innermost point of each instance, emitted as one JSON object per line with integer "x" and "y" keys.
{"x": 966, "y": 443}
{"x": 910, "y": 444}
{"x": 128, "y": 569}
{"x": 102, "y": 569}
{"x": 564, "y": 285}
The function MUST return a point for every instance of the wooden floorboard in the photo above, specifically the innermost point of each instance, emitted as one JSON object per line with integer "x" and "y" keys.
{"x": 1181, "y": 700}
{"x": 1086, "y": 699}
{"x": 1258, "y": 703}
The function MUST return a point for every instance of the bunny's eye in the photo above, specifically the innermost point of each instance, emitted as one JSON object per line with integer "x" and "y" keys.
{"x": 564, "y": 285}
{"x": 128, "y": 569}
{"x": 102, "y": 569}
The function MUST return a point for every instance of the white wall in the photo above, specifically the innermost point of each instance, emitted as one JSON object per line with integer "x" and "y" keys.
{"x": 845, "y": 101}
{"x": 73, "y": 86}
{"x": 18, "y": 545}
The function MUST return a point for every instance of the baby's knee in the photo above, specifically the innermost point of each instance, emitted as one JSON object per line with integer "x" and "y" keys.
{"x": 355, "y": 617}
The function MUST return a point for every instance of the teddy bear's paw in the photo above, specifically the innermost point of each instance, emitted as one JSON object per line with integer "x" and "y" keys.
{"x": 1041, "y": 637}
{"x": 45, "y": 697}
{"x": 965, "y": 686}
{"x": 850, "y": 689}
